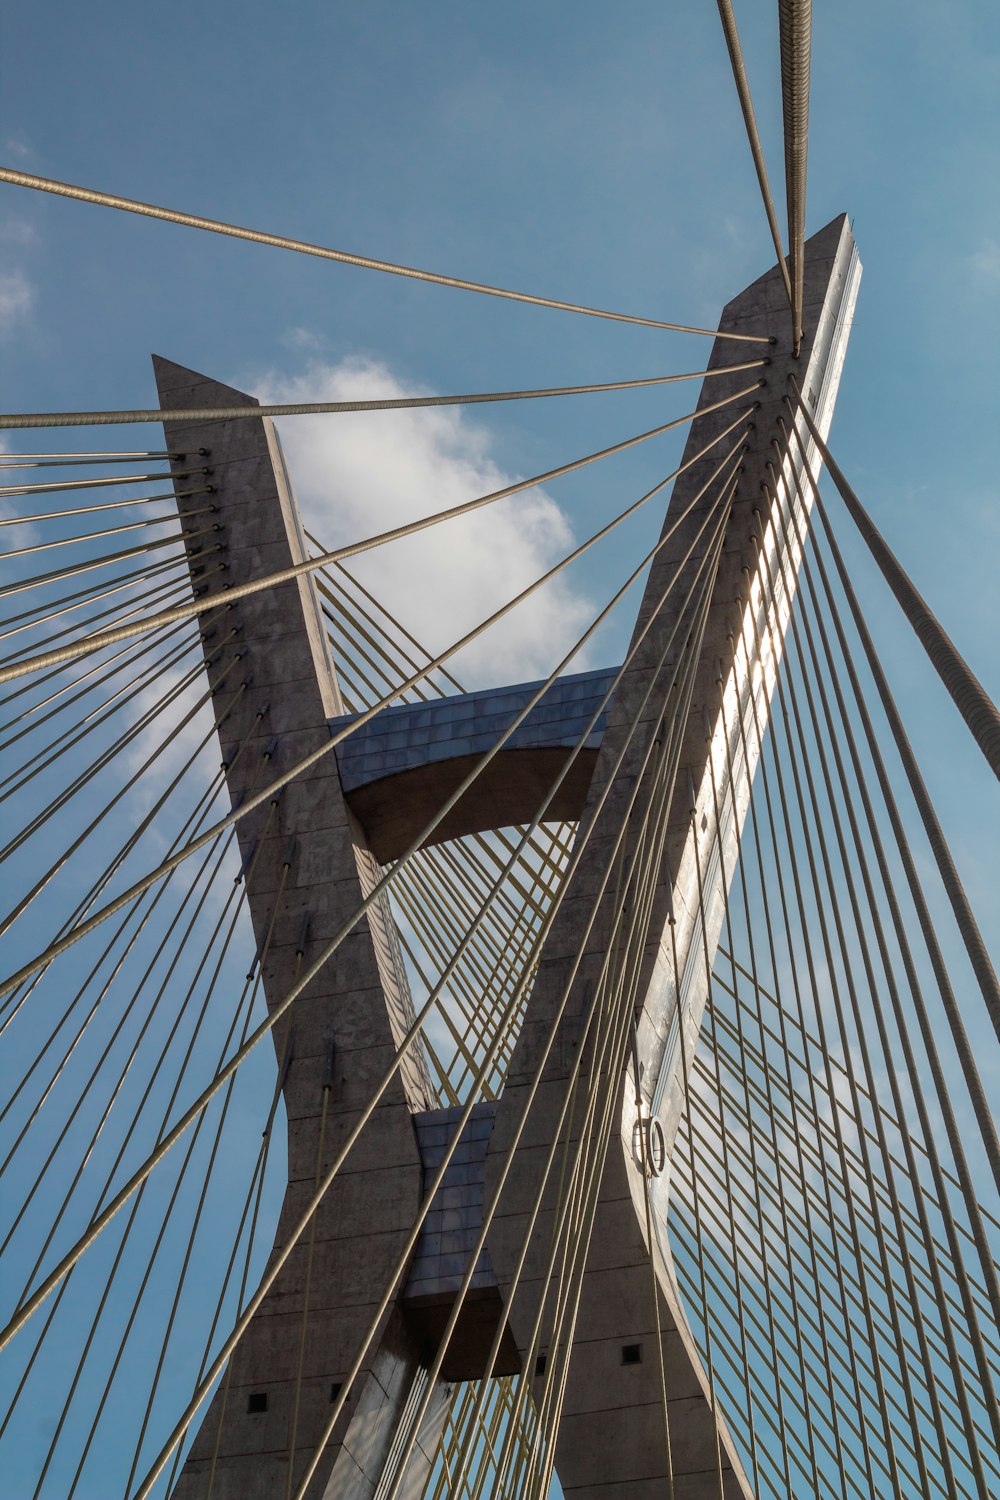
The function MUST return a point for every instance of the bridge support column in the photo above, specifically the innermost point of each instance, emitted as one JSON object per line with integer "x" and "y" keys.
{"x": 307, "y": 867}
{"x": 612, "y": 1439}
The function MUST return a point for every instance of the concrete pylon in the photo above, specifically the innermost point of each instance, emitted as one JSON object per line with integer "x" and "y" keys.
{"x": 307, "y": 867}
{"x": 612, "y": 1428}
{"x": 309, "y": 863}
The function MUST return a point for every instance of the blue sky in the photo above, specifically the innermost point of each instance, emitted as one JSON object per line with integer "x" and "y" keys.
{"x": 582, "y": 151}
{"x": 585, "y": 152}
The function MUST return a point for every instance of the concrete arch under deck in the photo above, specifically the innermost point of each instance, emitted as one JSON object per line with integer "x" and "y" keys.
{"x": 399, "y": 768}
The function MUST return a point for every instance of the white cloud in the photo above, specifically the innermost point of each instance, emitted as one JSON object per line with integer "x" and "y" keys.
{"x": 18, "y": 232}
{"x": 357, "y": 475}
{"x": 13, "y": 536}
{"x": 16, "y": 297}
{"x": 303, "y": 339}
{"x": 174, "y": 740}
{"x": 986, "y": 261}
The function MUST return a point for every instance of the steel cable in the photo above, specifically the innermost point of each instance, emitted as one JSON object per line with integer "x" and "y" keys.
{"x": 732, "y": 36}
{"x": 253, "y": 986}
{"x": 926, "y": 1029}
{"x": 756, "y": 822}
{"x": 725, "y": 880}
{"x": 822, "y": 738}
{"x": 330, "y": 947}
{"x": 935, "y": 837}
{"x": 912, "y": 1074}
{"x": 277, "y": 1262}
{"x": 788, "y": 829}
{"x": 13, "y": 420}
{"x": 970, "y": 697}
{"x": 216, "y": 226}
{"x": 148, "y": 1269}
{"x": 79, "y": 600}
{"x": 795, "y": 36}
{"x": 539, "y": 1072}
{"x": 89, "y": 510}
{"x": 72, "y": 460}
{"x": 411, "y": 528}
{"x": 249, "y": 804}
{"x": 818, "y": 864}
{"x": 56, "y": 1301}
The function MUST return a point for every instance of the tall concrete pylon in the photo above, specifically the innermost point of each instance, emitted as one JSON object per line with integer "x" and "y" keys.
{"x": 315, "y": 854}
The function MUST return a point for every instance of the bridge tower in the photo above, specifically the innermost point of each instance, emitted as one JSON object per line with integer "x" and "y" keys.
{"x": 662, "y": 790}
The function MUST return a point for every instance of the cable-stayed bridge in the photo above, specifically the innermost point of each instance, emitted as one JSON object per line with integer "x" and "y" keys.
{"x": 626, "y": 1119}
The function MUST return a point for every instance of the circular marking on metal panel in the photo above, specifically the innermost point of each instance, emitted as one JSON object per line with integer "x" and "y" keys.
{"x": 656, "y": 1147}
{"x": 649, "y": 1145}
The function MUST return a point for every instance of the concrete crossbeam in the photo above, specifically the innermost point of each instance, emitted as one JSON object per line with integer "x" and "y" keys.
{"x": 400, "y": 767}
